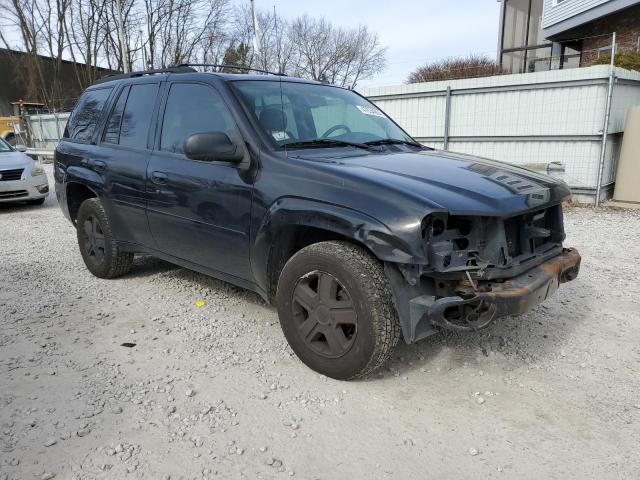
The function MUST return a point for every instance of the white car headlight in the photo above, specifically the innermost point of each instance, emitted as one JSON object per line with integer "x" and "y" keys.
{"x": 37, "y": 170}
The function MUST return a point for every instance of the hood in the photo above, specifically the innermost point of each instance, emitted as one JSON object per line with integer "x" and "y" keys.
{"x": 457, "y": 183}
{"x": 11, "y": 160}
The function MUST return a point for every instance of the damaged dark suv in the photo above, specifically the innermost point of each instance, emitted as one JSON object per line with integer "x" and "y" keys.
{"x": 312, "y": 197}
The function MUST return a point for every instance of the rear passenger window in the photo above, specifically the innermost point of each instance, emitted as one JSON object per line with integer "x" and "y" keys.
{"x": 130, "y": 119}
{"x": 85, "y": 117}
{"x": 137, "y": 115}
{"x": 112, "y": 132}
{"x": 193, "y": 108}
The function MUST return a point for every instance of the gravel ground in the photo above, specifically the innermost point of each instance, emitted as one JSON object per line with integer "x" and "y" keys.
{"x": 213, "y": 391}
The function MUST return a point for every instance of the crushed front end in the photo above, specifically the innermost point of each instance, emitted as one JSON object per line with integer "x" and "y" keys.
{"x": 480, "y": 269}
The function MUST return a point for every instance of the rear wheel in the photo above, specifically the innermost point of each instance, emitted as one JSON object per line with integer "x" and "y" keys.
{"x": 99, "y": 249}
{"x": 336, "y": 310}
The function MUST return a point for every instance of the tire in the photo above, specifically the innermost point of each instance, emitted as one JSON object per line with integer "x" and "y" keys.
{"x": 98, "y": 248}
{"x": 336, "y": 310}
{"x": 37, "y": 201}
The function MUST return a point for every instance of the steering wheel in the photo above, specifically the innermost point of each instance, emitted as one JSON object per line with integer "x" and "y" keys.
{"x": 335, "y": 128}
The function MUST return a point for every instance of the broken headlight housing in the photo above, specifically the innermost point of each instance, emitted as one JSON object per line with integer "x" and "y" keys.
{"x": 456, "y": 243}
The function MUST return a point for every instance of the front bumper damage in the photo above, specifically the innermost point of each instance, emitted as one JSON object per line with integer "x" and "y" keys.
{"x": 478, "y": 303}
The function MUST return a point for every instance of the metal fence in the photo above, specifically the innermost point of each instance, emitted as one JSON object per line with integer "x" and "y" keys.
{"x": 549, "y": 121}
{"x": 45, "y": 131}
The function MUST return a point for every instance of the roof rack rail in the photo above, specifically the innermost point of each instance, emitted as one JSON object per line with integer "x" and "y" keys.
{"x": 142, "y": 73}
{"x": 226, "y": 65}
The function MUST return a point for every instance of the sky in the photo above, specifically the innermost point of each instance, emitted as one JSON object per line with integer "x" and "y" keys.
{"x": 415, "y": 31}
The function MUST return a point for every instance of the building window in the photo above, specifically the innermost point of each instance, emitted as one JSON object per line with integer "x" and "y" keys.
{"x": 516, "y": 15}
{"x": 523, "y": 46}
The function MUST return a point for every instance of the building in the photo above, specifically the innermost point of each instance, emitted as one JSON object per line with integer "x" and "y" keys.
{"x": 538, "y": 35}
{"x": 26, "y": 77}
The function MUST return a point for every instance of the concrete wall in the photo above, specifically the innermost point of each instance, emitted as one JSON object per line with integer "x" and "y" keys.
{"x": 529, "y": 120}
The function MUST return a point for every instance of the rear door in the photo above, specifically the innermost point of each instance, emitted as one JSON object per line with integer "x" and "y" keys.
{"x": 123, "y": 155}
{"x": 198, "y": 211}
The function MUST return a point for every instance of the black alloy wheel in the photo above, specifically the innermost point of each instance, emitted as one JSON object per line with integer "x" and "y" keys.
{"x": 325, "y": 315}
{"x": 336, "y": 309}
{"x": 93, "y": 239}
{"x": 100, "y": 251}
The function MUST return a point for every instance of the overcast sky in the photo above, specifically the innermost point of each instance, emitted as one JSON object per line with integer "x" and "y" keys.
{"x": 415, "y": 31}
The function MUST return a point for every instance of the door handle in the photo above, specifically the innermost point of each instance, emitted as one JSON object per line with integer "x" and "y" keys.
{"x": 98, "y": 165}
{"x": 159, "y": 178}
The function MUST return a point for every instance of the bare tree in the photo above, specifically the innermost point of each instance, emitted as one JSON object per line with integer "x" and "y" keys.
{"x": 338, "y": 55}
{"x": 52, "y": 16}
{"x": 277, "y": 50}
{"x": 23, "y": 15}
{"x": 85, "y": 34}
{"x": 169, "y": 32}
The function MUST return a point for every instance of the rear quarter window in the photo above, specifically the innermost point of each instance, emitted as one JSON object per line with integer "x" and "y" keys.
{"x": 85, "y": 117}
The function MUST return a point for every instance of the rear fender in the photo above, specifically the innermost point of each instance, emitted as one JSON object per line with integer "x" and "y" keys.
{"x": 79, "y": 176}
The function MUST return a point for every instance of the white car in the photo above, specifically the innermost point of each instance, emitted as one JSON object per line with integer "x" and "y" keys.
{"x": 21, "y": 178}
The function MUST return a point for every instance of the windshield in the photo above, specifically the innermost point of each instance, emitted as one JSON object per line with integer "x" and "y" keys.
{"x": 304, "y": 112}
{"x": 4, "y": 146}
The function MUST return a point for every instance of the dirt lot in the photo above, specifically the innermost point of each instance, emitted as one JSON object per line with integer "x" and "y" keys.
{"x": 214, "y": 391}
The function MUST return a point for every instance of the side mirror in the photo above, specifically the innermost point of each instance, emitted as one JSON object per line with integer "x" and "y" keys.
{"x": 20, "y": 148}
{"x": 212, "y": 147}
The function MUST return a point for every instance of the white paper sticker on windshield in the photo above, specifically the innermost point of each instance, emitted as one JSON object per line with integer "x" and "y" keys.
{"x": 280, "y": 135}
{"x": 369, "y": 110}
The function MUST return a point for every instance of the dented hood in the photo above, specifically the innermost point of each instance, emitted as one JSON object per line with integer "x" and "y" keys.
{"x": 458, "y": 183}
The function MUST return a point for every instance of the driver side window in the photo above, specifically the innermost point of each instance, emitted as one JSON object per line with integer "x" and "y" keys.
{"x": 193, "y": 108}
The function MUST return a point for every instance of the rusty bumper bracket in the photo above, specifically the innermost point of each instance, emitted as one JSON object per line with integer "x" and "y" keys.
{"x": 514, "y": 296}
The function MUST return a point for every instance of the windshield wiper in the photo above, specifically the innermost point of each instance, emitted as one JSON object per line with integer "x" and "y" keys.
{"x": 395, "y": 141}
{"x": 326, "y": 142}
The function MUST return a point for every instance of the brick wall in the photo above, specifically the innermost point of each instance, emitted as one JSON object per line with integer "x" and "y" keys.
{"x": 626, "y": 24}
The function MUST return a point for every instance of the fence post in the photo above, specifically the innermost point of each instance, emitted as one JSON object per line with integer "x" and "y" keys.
{"x": 607, "y": 116}
{"x": 447, "y": 119}
{"x": 57, "y": 120}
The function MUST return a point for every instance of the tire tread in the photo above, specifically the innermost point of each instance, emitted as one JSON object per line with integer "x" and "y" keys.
{"x": 120, "y": 262}
{"x": 376, "y": 286}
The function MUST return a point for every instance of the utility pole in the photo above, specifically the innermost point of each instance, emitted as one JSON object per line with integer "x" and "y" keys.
{"x": 278, "y": 52}
{"x": 256, "y": 37}
{"x": 123, "y": 47}
{"x": 144, "y": 52}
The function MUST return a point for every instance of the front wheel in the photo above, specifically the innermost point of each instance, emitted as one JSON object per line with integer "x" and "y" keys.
{"x": 336, "y": 310}
{"x": 99, "y": 250}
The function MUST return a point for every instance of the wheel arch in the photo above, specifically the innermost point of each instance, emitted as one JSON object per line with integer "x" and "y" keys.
{"x": 76, "y": 193}
{"x": 292, "y": 224}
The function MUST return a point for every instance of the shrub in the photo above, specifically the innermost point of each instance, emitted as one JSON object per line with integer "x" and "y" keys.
{"x": 629, "y": 60}
{"x": 453, "y": 68}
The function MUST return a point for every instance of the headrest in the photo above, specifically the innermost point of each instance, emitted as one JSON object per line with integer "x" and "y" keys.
{"x": 273, "y": 119}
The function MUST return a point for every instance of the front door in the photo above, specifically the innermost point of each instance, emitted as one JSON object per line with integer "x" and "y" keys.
{"x": 198, "y": 211}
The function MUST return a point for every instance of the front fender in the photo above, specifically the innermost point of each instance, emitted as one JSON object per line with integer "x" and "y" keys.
{"x": 355, "y": 225}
